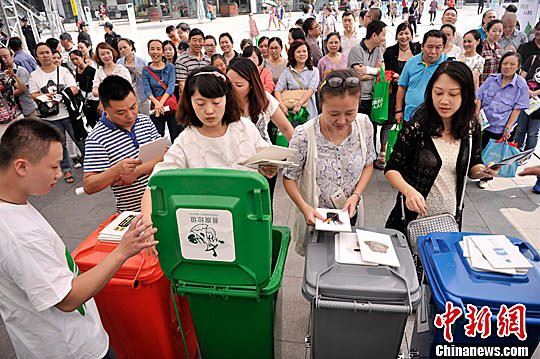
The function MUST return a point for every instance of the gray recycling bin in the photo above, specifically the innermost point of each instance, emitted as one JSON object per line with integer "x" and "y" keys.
{"x": 358, "y": 311}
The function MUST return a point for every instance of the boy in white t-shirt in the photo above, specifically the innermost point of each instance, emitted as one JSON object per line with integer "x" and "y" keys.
{"x": 46, "y": 304}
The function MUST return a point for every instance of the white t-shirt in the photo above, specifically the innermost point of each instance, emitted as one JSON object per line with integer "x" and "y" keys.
{"x": 264, "y": 117}
{"x": 34, "y": 277}
{"x": 45, "y": 82}
{"x": 193, "y": 150}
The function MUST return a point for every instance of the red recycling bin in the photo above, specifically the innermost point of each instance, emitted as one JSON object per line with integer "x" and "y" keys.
{"x": 136, "y": 307}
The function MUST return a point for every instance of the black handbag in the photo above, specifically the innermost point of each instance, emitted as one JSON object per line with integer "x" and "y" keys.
{"x": 48, "y": 108}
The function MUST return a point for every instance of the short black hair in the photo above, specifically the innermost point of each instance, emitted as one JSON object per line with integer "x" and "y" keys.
{"x": 210, "y": 37}
{"x": 170, "y": 28}
{"x": 52, "y": 43}
{"x": 362, "y": 13}
{"x": 226, "y": 34}
{"x": 15, "y": 43}
{"x": 450, "y": 26}
{"x": 375, "y": 27}
{"x": 30, "y": 139}
{"x": 492, "y": 23}
{"x": 434, "y": 33}
{"x": 183, "y": 26}
{"x": 183, "y": 45}
{"x": 307, "y": 25}
{"x": 509, "y": 54}
{"x": 450, "y": 9}
{"x": 347, "y": 13}
{"x": 377, "y": 13}
{"x": 297, "y": 34}
{"x": 511, "y": 8}
{"x": 248, "y": 51}
{"x": 66, "y": 36}
{"x": 114, "y": 88}
{"x": 299, "y": 22}
{"x": 195, "y": 32}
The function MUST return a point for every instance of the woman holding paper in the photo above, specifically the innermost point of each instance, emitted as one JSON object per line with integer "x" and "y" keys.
{"x": 431, "y": 157}
{"x": 216, "y": 135}
{"x": 335, "y": 154}
{"x": 502, "y": 97}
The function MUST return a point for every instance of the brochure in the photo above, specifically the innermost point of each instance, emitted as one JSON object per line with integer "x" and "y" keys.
{"x": 151, "y": 150}
{"x": 534, "y": 105}
{"x": 117, "y": 228}
{"x": 347, "y": 250}
{"x": 335, "y": 220}
{"x": 377, "y": 248}
{"x": 510, "y": 160}
{"x": 479, "y": 263}
{"x": 272, "y": 156}
{"x": 500, "y": 252}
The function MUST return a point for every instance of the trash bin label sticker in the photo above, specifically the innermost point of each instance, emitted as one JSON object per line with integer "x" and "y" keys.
{"x": 206, "y": 234}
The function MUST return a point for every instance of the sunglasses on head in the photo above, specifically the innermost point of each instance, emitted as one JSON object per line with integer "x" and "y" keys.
{"x": 335, "y": 82}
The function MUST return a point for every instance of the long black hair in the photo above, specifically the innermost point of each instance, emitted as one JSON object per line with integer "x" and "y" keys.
{"x": 465, "y": 117}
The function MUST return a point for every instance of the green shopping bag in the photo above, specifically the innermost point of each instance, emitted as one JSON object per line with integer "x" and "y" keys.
{"x": 381, "y": 90}
{"x": 392, "y": 139}
{"x": 295, "y": 119}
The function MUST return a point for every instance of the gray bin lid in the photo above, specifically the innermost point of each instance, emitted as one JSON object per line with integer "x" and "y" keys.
{"x": 355, "y": 282}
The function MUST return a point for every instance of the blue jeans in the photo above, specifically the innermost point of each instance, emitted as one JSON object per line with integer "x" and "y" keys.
{"x": 527, "y": 127}
{"x": 64, "y": 125}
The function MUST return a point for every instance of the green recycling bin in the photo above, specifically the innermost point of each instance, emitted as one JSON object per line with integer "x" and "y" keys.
{"x": 217, "y": 246}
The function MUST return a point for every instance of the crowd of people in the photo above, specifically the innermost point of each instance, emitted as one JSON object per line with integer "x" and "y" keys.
{"x": 220, "y": 107}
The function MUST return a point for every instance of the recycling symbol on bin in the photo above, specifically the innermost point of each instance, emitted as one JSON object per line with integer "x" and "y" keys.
{"x": 205, "y": 235}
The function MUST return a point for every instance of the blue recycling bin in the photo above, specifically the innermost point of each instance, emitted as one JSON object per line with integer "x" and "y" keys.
{"x": 451, "y": 279}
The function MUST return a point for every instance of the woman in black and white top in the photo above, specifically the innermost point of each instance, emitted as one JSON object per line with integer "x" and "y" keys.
{"x": 46, "y": 85}
{"x": 84, "y": 75}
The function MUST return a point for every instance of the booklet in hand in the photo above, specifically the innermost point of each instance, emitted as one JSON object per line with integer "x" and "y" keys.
{"x": 335, "y": 220}
{"x": 151, "y": 150}
{"x": 510, "y": 160}
{"x": 271, "y": 156}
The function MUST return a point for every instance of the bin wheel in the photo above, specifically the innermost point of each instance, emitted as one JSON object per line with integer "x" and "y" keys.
{"x": 307, "y": 341}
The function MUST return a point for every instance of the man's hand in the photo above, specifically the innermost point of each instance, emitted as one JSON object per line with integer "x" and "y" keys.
{"x": 530, "y": 171}
{"x": 126, "y": 180}
{"x": 126, "y": 166}
{"x": 139, "y": 236}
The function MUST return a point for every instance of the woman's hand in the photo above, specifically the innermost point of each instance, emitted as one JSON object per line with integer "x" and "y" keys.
{"x": 158, "y": 108}
{"x": 489, "y": 170}
{"x": 296, "y": 108}
{"x": 350, "y": 204}
{"x": 284, "y": 109}
{"x": 415, "y": 202}
{"x": 268, "y": 171}
{"x": 310, "y": 214}
{"x": 506, "y": 134}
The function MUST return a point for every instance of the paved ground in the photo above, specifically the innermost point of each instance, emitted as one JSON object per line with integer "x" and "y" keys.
{"x": 508, "y": 207}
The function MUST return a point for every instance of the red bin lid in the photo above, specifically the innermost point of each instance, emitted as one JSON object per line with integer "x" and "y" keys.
{"x": 143, "y": 267}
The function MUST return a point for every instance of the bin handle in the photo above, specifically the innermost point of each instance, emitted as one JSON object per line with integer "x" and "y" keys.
{"x": 132, "y": 283}
{"x": 365, "y": 307}
{"x": 530, "y": 248}
{"x": 406, "y": 287}
{"x": 158, "y": 201}
{"x": 192, "y": 288}
{"x": 317, "y": 297}
{"x": 275, "y": 280}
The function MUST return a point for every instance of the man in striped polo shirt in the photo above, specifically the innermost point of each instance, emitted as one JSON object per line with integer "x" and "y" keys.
{"x": 112, "y": 148}
{"x": 192, "y": 59}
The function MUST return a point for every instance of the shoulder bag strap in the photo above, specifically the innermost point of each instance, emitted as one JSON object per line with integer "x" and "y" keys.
{"x": 156, "y": 77}
{"x": 462, "y": 199}
{"x": 297, "y": 79}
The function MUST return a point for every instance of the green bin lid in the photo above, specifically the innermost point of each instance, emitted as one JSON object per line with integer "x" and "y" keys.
{"x": 214, "y": 226}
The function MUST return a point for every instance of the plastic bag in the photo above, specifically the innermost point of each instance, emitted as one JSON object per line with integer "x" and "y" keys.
{"x": 496, "y": 151}
{"x": 381, "y": 90}
{"x": 392, "y": 139}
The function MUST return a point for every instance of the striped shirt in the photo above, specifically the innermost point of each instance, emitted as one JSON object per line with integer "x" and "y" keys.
{"x": 186, "y": 63}
{"x": 106, "y": 145}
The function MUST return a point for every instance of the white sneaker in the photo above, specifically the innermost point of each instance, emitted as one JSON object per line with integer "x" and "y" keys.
{"x": 483, "y": 184}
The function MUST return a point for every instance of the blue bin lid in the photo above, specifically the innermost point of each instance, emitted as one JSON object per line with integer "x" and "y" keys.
{"x": 452, "y": 279}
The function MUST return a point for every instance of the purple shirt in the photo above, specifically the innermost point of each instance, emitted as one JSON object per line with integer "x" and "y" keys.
{"x": 498, "y": 102}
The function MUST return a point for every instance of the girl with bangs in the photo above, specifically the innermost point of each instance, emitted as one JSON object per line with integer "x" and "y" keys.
{"x": 215, "y": 134}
